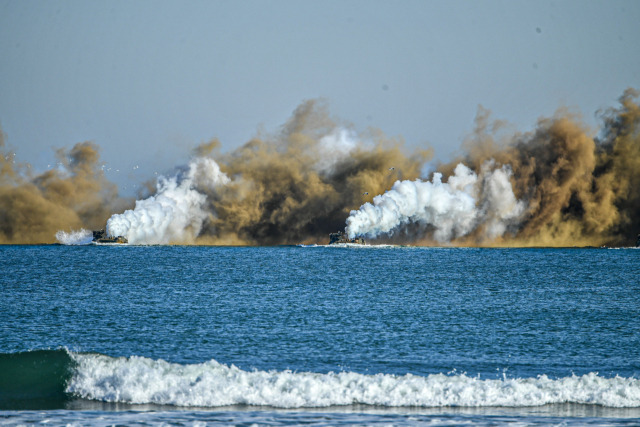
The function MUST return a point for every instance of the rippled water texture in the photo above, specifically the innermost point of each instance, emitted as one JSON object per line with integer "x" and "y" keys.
{"x": 323, "y": 335}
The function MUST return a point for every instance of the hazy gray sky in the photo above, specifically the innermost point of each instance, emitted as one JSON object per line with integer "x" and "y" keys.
{"x": 149, "y": 80}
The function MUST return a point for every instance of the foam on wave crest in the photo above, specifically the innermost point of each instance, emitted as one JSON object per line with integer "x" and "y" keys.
{"x": 139, "y": 380}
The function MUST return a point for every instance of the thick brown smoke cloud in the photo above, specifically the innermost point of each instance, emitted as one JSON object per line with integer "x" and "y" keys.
{"x": 288, "y": 188}
{"x": 580, "y": 187}
{"x": 73, "y": 196}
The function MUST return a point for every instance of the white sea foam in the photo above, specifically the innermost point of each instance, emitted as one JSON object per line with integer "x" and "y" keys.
{"x": 80, "y": 237}
{"x": 139, "y": 380}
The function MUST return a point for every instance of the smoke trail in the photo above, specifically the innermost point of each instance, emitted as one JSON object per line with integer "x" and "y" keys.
{"x": 175, "y": 214}
{"x": 452, "y": 209}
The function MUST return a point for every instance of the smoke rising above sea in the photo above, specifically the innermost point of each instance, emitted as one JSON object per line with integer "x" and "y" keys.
{"x": 561, "y": 184}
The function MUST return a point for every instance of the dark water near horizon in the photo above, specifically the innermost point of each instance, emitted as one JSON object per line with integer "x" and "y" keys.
{"x": 319, "y": 335}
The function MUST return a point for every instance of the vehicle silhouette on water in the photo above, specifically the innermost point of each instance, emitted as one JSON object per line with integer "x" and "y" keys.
{"x": 340, "y": 237}
{"x": 100, "y": 236}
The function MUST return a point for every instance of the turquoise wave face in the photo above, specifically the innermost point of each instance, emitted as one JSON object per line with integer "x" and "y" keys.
{"x": 35, "y": 379}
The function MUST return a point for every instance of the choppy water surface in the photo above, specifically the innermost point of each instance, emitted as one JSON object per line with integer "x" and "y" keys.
{"x": 319, "y": 335}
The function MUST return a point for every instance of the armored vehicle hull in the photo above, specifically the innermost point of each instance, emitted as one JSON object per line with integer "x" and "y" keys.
{"x": 340, "y": 237}
{"x": 100, "y": 236}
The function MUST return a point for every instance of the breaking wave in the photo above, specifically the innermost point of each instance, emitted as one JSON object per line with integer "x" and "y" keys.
{"x": 63, "y": 375}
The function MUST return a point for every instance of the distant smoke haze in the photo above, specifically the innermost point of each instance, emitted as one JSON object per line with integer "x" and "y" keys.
{"x": 561, "y": 184}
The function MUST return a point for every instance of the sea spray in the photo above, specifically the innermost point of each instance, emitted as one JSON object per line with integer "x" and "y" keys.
{"x": 176, "y": 212}
{"x": 454, "y": 209}
{"x": 79, "y": 237}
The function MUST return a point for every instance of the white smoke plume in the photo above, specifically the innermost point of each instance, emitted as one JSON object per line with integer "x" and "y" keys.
{"x": 175, "y": 214}
{"x": 453, "y": 209}
{"x": 499, "y": 207}
{"x": 335, "y": 147}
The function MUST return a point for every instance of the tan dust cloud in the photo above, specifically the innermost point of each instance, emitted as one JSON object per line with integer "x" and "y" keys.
{"x": 293, "y": 188}
{"x": 74, "y": 196}
{"x": 581, "y": 188}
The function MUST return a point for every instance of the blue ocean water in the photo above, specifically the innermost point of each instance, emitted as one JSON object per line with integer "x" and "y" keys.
{"x": 109, "y": 334}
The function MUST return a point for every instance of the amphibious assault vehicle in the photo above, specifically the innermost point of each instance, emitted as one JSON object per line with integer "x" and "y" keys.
{"x": 100, "y": 236}
{"x": 340, "y": 237}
